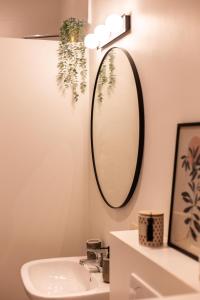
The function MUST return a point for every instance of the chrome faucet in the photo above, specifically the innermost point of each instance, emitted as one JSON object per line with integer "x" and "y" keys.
{"x": 91, "y": 264}
{"x": 95, "y": 265}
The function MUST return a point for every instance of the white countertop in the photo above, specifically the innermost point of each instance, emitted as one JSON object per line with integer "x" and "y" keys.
{"x": 182, "y": 297}
{"x": 181, "y": 266}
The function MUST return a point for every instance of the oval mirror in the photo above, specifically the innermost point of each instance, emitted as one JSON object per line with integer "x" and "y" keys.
{"x": 117, "y": 127}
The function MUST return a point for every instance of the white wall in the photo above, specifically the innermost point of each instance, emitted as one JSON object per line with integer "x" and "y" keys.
{"x": 43, "y": 162}
{"x": 164, "y": 43}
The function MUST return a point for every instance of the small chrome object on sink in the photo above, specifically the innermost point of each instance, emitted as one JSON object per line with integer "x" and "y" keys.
{"x": 98, "y": 264}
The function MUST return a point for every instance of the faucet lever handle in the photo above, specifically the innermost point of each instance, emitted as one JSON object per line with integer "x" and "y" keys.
{"x": 101, "y": 250}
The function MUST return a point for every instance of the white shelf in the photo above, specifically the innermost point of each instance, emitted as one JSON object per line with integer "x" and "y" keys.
{"x": 169, "y": 272}
{"x": 181, "y": 266}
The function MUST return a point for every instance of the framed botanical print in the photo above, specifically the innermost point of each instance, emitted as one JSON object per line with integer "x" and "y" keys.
{"x": 184, "y": 225}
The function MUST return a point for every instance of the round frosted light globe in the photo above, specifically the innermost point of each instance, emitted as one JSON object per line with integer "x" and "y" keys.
{"x": 91, "y": 41}
{"x": 102, "y": 33}
{"x": 114, "y": 23}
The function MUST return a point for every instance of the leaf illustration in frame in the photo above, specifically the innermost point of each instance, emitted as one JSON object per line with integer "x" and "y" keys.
{"x": 188, "y": 220}
{"x": 192, "y": 186}
{"x": 195, "y": 152}
{"x": 196, "y": 225}
{"x": 185, "y": 202}
{"x": 198, "y": 160}
{"x": 186, "y": 197}
{"x": 187, "y": 209}
{"x": 196, "y": 216}
{"x": 194, "y": 236}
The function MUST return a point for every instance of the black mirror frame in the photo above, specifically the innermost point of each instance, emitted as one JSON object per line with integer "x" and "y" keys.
{"x": 141, "y": 130}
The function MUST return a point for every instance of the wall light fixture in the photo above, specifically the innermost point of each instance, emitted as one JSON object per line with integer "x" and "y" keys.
{"x": 115, "y": 27}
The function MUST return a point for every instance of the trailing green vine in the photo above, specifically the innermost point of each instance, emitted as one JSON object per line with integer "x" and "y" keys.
{"x": 72, "y": 68}
{"x": 106, "y": 76}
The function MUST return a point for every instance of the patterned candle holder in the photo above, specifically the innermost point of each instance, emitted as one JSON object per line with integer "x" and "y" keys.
{"x": 151, "y": 227}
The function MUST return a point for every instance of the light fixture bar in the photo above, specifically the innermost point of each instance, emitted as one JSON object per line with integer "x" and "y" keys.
{"x": 125, "y": 30}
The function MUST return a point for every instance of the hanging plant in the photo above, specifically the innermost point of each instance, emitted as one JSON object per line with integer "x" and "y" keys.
{"x": 107, "y": 77}
{"x": 72, "y": 69}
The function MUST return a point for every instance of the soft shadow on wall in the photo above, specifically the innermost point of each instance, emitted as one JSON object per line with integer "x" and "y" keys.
{"x": 44, "y": 165}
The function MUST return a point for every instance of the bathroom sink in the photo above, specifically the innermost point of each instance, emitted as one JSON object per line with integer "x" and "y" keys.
{"x": 63, "y": 279}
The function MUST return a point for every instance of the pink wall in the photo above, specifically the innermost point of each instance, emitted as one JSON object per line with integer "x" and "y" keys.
{"x": 45, "y": 143}
{"x": 43, "y": 162}
{"x": 164, "y": 44}
{"x": 21, "y": 18}
{"x": 71, "y": 8}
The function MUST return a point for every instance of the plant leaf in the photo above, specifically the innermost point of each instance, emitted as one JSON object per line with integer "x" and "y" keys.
{"x": 187, "y": 221}
{"x": 196, "y": 216}
{"x": 183, "y": 156}
{"x": 197, "y": 225}
{"x": 198, "y": 160}
{"x": 195, "y": 152}
{"x": 184, "y": 164}
{"x": 192, "y": 186}
{"x": 187, "y": 200}
{"x": 187, "y": 165}
{"x": 193, "y": 174}
{"x": 186, "y": 194}
{"x": 187, "y": 209}
{"x": 193, "y": 233}
{"x": 196, "y": 198}
{"x": 186, "y": 197}
{"x": 191, "y": 152}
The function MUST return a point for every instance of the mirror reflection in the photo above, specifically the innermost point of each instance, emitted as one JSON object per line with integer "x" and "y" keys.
{"x": 117, "y": 127}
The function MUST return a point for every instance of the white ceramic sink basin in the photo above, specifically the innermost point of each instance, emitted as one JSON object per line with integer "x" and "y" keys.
{"x": 63, "y": 279}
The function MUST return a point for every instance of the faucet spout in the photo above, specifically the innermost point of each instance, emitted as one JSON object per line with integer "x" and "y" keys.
{"x": 96, "y": 264}
{"x": 91, "y": 265}
{"x": 84, "y": 261}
